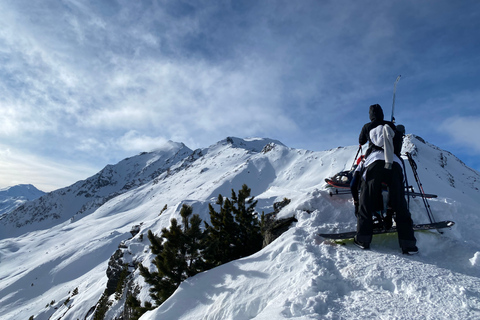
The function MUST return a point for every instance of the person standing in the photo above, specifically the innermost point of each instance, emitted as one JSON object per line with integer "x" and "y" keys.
{"x": 382, "y": 166}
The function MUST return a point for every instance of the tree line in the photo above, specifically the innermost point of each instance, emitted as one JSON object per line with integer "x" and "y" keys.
{"x": 184, "y": 249}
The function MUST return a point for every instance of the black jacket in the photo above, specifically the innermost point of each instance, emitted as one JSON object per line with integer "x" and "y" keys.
{"x": 376, "y": 117}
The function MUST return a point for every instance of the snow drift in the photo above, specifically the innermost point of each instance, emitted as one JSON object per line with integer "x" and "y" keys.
{"x": 54, "y": 259}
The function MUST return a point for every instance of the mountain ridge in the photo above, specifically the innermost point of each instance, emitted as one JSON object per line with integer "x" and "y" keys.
{"x": 67, "y": 254}
{"x": 84, "y": 196}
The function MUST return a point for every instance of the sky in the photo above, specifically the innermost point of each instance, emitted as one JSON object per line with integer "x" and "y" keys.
{"x": 88, "y": 83}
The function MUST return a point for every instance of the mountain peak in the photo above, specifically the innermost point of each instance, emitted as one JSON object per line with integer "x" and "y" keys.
{"x": 27, "y": 191}
{"x": 169, "y": 145}
{"x": 249, "y": 144}
{"x": 12, "y": 197}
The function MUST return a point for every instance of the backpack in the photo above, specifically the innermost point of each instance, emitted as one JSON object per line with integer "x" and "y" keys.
{"x": 388, "y": 139}
{"x": 398, "y": 139}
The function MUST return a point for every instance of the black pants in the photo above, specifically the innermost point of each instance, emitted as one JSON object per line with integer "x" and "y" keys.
{"x": 371, "y": 200}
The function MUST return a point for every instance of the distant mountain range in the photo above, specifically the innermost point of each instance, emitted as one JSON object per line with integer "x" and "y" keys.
{"x": 85, "y": 196}
{"x": 13, "y": 197}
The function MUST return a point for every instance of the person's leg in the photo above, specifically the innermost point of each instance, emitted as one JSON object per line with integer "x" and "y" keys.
{"x": 370, "y": 197}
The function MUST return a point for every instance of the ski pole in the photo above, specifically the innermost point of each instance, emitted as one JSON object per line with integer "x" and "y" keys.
{"x": 413, "y": 165}
{"x": 406, "y": 183}
{"x": 355, "y": 159}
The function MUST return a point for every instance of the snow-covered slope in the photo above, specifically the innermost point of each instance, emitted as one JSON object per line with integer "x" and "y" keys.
{"x": 13, "y": 197}
{"x": 56, "y": 267}
{"x": 84, "y": 197}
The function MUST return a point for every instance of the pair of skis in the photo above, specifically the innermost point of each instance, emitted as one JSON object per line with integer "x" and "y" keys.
{"x": 416, "y": 227}
{"x": 409, "y": 193}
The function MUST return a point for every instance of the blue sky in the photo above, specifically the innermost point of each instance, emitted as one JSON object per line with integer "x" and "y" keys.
{"x": 84, "y": 84}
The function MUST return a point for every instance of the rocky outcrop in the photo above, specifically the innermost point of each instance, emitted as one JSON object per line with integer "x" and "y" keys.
{"x": 273, "y": 227}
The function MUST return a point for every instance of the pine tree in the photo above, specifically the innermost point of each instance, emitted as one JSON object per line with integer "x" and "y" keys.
{"x": 249, "y": 236}
{"x": 161, "y": 286}
{"x": 193, "y": 239}
{"x": 177, "y": 255}
{"x": 134, "y": 308}
{"x": 220, "y": 235}
{"x": 234, "y": 231}
{"x": 184, "y": 250}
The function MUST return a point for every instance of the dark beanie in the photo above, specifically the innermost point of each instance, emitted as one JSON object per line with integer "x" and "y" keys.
{"x": 376, "y": 112}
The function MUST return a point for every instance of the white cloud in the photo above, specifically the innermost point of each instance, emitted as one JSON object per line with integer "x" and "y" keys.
{"x": 96, "y": 81}
{"x": 91, "y": 145}
{"x": 164, "y": 97}
{"x": 19, "y": 167}
{"x": 464, "y": 131}
{"x": 134, "y": 141}
{"x": 83, "y": 84}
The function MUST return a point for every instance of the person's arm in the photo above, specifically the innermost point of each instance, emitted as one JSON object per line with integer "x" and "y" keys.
{"x": 363, "y": 138}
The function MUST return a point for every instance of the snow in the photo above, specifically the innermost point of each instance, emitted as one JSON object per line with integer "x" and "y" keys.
{"x": 476, "y": 259}
{"x": 13, "y": 197}
{"x": 298, "y": 276}
{"x": 301, "y": 276}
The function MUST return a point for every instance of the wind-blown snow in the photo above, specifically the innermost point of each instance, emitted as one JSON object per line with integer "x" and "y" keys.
{"x": 298, "y": 276}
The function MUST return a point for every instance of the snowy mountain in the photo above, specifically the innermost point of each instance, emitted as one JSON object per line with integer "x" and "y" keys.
{"x": 58, "y": 253}
{"x": 13, "y": 197}
{"x": 84, "y": 197}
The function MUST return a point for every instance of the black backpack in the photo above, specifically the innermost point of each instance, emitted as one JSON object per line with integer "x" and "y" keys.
{"x": 398, "y": 139}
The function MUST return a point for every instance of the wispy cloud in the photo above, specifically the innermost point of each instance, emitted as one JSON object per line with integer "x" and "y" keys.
{"x": 97, "y": 81}
{"x": 18, "y": 167}
{"x": 464, "y": 132}
{"x": 132, "y": 141}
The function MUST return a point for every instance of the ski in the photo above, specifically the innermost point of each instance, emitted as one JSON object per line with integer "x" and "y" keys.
{"x": 345, "y": 191}
{"x": 337, "y": 184}
{"x": 394, "y": 92}
{"x": 416, "y": 227}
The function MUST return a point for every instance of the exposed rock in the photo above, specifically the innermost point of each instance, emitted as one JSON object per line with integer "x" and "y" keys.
{"x": 114, "y": 271}
{"x": 135, "y": 230}
{"x": 273, "y": 227}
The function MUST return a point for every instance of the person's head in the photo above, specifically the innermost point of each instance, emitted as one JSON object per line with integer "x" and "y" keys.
{"x": 376, "y": 112}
